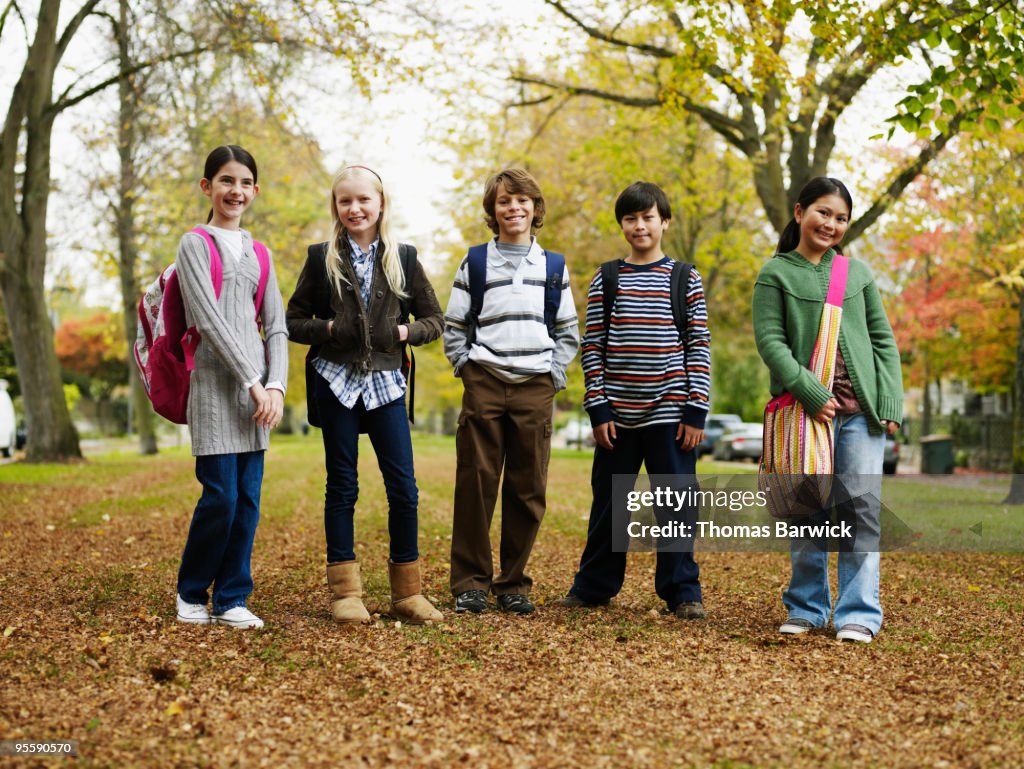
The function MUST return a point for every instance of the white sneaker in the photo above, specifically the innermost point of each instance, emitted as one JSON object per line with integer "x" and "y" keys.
{"x": 796, "y": 626}
{"x": 239, "y": 618}
{"x": 851, "y": 632}
{"x": 192, "y": 613}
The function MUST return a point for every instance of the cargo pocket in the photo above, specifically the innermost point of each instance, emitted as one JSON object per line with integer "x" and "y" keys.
{"x": 463, "y": 453}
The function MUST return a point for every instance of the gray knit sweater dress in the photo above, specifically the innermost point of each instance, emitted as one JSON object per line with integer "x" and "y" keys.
{"x": 232, "y": 351}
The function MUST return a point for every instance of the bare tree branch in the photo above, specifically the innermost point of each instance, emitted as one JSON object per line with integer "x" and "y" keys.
{"x": 73, "y": 25}
{"x": 67, "y": 102}
{"x": 597, "y": 34}
{"x": 889, "y": 195}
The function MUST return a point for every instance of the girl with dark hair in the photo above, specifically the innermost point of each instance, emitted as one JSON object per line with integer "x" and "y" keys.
{"x": 864, "y": 401}
{"x": 236, "y": 393}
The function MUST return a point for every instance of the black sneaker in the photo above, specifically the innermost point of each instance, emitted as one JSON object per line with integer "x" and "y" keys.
{"x": 573, "y": 601}
{"x": 517, "y": 603}
{"x": 474, "y": 601}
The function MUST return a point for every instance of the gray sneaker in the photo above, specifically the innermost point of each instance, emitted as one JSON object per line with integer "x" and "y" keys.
{"x": 690, "y": 610}
{"x": 796, "y": 626}
{"x": 858, "y": 633}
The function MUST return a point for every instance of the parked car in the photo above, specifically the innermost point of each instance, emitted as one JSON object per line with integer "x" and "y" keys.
{"x": 577, "y": 433}
{"x": 891, "y": 457}
{"x": 8, "y": 422}
{"x": 742, "y": 441}
{"x": 714, "y": 426}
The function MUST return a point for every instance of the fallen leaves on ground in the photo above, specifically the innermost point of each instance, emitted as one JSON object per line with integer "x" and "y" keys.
{"x": 90, "y": 650}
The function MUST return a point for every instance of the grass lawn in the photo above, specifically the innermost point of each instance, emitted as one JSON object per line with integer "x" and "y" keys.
{"x": 90, "y": 650}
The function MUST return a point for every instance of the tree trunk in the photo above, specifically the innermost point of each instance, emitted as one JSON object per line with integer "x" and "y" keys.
{"x": 51, "y": 435}
{"x": 128, "y": 251}
{"x": 1016, "y": 495}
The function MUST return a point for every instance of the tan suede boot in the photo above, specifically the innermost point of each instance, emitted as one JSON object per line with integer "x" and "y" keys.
{"x": 346, "y": 593}
{"x": 407, "y": 601}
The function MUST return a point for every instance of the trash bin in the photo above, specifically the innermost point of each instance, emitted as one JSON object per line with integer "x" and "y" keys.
{"x": 937, "y": 454}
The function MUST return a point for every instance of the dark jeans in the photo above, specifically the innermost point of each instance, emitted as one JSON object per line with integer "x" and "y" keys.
{"x": 602, "y": 571}
{"x": 218, "y": 550}
{"x": 388, "y": 428}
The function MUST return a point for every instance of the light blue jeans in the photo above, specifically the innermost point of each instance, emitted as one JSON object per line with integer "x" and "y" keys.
{"x": 857, "y": 494}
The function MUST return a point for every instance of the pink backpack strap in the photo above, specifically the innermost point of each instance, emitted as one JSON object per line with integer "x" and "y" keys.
{"x": 837, "y": 280}
{"x": 263, "y": 257}
{"x": 216, "y": 265}
{"x": 190, "y": 341}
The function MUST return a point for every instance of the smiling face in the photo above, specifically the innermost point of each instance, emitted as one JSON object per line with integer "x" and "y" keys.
{"x": 643, "y": 230}
{"x": 230, "y": 191}
{"x": 358, "y": 206}
{"x": 514, "y": 213}
{"x": 822, "y": 225}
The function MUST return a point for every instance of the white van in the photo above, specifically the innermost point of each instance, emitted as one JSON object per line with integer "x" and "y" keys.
{"x": 8, "y": 422}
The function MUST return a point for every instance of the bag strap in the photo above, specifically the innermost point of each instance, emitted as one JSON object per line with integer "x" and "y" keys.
{"x": 263, "y": 257}
{"x": 679, "y": 283}
{"x": 476, "y": 272}
{"x": 609, "y": 288}
{"x": 216, "y": 265}
{"x": 837, "y": 280}
{"x": 823, "y": 358}
{"x": 553, "y": 289}
{"x": 407, "y": 256}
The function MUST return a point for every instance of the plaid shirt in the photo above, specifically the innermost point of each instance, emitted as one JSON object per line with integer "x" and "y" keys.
{"x": 348, "y": 382}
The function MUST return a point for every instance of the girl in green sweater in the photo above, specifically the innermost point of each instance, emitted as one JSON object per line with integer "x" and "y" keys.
{"x": 866, "y": 400}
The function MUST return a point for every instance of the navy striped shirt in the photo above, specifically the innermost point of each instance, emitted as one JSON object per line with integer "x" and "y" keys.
{"x": 639, "y": 372}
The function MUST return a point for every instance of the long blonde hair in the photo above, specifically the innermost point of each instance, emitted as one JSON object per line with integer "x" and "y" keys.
{"x": 390, "y": 261}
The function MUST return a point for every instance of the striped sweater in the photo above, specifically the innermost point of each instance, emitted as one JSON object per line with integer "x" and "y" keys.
{"x": 639, "y": 372}
{"x": 512, "y": 341}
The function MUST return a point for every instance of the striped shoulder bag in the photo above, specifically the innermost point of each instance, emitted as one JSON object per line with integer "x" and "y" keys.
{"x": 797, "y": 460}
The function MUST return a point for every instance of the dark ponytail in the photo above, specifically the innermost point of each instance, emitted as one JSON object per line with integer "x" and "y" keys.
{"x": 223, "y": 155}
{"x": 818, "y": 187}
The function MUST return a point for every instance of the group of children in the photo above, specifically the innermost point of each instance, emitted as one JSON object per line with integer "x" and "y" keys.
{"x": 510, "y": 331}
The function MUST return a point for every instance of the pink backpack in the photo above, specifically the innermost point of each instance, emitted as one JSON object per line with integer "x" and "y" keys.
{"x": 164, "y": 347}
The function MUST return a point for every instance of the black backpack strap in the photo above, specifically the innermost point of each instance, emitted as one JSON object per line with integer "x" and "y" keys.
{"x": 609, "y": 288}
{"x": 407, "y": 256}
{"x": 553, "y": 289}
{"x": 476, "y": 273}
{"x": 680, "y": 283}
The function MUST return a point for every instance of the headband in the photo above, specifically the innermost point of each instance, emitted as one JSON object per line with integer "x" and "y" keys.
{"x": 366, "y": 168}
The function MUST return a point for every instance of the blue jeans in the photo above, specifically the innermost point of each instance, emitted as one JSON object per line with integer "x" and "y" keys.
{"x": 602, "y": 571}
{"x": 858, "y": 492}
{"x": 388, "y": 428}
{"x": 218, "y": 550}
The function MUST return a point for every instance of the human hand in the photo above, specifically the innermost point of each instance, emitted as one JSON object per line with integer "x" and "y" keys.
{"x": 688, "y": 437}
{"x": 828, "y": 411}
{"x": 262, "y": 400}
{"x": 890, "y": 426}
{"x": 276, "y": 410}
{"x": 403, "y": 333}
{"x": 604, "y": 435}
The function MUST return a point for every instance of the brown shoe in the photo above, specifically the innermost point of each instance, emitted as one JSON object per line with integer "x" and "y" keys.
{"x": 346, "y": 593}
{"x": 407, "y": 601}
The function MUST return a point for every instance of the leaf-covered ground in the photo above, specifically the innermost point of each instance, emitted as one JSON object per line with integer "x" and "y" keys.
{"x": 90, "y": 650}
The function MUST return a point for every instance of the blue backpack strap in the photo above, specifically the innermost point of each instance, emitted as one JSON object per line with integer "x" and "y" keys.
{"x": 553, "y": 289}
{"x": 679, "y": 285}
{"x": 476, "y": 272}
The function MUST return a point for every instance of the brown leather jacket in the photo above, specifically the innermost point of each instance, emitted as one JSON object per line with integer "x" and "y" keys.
{"x": 367, "y": 336}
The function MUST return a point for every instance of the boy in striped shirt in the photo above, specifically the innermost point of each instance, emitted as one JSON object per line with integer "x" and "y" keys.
{"x": 647, "y": 388}
{"x": 511, "y": 367}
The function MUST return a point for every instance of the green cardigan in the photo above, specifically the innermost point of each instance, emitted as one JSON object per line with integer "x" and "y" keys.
{"x": 788, "y": 298}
